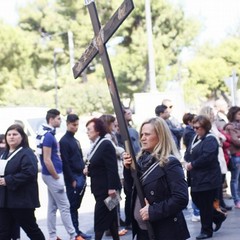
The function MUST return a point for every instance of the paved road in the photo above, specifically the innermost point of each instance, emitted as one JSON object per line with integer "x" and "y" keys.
{"x": 230, "y": 229}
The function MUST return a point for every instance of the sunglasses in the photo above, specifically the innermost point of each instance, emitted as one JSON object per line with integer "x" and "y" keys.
{"x": 196, "y": 128}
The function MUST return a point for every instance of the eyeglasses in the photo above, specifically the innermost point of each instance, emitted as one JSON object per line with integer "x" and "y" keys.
{"x": 196, "y": 127}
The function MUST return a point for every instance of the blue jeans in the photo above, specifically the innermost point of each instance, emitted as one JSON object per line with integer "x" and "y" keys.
{"x": 234, "y": 183}
{"x": 75, "y": 196}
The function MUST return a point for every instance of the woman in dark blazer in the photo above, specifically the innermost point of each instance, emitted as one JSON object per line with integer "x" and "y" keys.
{"x": 18, "y": 186}
{"x": 204, "y": 174}
{"x": 163, "y": 183}
{"x": 105, "y": 182}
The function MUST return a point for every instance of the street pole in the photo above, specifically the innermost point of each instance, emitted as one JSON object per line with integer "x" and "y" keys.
{"x": 234, "y": 87}
{"x": 55, "y": 52}
{"x": 151, "y": 64}
{"x": 71, "y": 49}
{"x": 231, "y": 83}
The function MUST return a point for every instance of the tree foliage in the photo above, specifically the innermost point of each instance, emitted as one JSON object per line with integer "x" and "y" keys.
{"x": 208, "y": 70}
{"x": 28, "y": 54}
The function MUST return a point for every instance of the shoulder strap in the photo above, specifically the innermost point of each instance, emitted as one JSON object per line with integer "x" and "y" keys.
{"x": 212, "y": 135}
{"x": 14, "y": 153}
{"x": 3, "y": 163}
{"x": 152, "y": 167}
{"x": 96, "y": 147}
{"x": 149, "y": 170}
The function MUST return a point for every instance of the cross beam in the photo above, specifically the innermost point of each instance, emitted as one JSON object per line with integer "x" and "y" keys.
{"x": 97, "y": 45}
{"x": 107, "y": 31}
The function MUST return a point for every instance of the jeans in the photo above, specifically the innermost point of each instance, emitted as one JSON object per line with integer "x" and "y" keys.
{"x": 57, "y": 199}
{"x": 234, "y": 183}
{"x": 75, "y": 196}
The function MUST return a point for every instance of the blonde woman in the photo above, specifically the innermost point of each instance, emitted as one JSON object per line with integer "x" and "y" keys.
{"x": 163, "y": 183}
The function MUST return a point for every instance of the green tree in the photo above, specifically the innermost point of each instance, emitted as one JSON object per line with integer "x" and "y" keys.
{"x": 15, "y": 58}
{"x": 45, "y": 23}
{"x": 209, "y": 68}
{"x": 206, "y": 77}
{"x": 171, "y": 32}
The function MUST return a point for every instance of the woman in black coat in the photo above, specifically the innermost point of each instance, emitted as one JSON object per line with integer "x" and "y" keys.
{"x": 204, "y": 174}
{"x": 163, "y": 183}
{"x": 105, "y": 182}
{"x": 18, "y": 185}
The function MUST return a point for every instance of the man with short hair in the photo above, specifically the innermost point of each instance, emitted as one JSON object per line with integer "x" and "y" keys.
{"x": 73, "y": 165}
{"x": 162, "y": 111}
{"x": 52, "y": 175}
{"x": 173, "y": 123}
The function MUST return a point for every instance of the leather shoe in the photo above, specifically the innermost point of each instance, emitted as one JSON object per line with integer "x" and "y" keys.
{"x": 219, "y": 222}
{"x": 218, "y": 225}
{"x": 203, "y": 236}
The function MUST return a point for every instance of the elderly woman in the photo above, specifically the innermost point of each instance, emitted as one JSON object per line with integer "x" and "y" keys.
{"x": 204, "y": 174}
{"x": 219, "y": 201}
{"x": 105, "y": 182}
{"x": 163, "y": 183}
{"x": 18, "y": 186}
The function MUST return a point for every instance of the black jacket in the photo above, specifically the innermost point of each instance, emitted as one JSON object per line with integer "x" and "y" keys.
{"x": 21, "y": 190}
{"x": 72, "y": 157}
{"x": 167, "y": 193}
{"x": 103, "y": 169}
{"x": 188, "y": 134}
{"x": 206, "y": 173}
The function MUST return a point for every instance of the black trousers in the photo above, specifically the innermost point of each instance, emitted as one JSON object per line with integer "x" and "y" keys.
{"x": 142, "y": 234}
{"x": 15, "y": 231}
{"x": 204, "y": 202}
{"x": 24, "y": 217}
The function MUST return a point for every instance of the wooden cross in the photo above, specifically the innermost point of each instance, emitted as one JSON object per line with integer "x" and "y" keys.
{"x": 98, "y": 46}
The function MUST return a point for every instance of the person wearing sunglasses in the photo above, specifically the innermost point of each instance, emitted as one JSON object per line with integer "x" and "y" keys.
{"x": 204, "y": 174}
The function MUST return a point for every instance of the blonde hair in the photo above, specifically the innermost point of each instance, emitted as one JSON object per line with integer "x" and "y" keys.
{"x": 208, "y": 112}
{"x": 166, "y": 145}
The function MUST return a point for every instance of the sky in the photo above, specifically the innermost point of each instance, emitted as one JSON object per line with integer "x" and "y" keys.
{"x": 219, "y": 17}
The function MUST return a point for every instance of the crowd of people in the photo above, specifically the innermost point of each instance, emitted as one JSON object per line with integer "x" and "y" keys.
{"x": 211, "y": 146}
